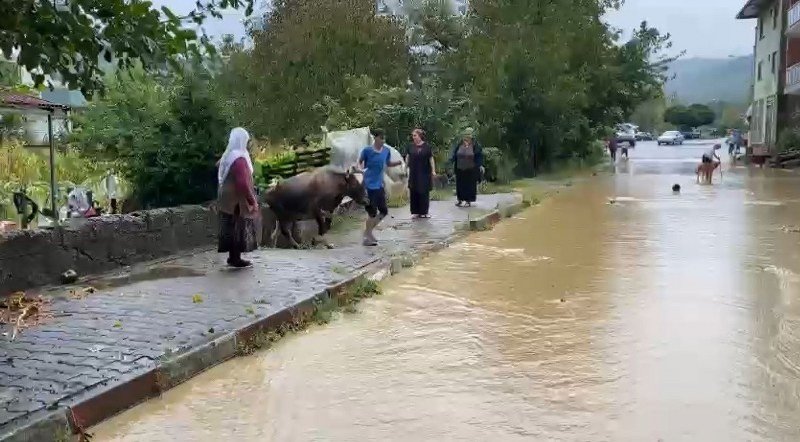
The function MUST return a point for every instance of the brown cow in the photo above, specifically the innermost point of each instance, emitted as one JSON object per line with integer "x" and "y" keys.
{"x": 312, "y": 195}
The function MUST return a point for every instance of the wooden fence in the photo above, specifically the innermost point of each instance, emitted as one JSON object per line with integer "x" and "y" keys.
{"x": 304, "y": 160}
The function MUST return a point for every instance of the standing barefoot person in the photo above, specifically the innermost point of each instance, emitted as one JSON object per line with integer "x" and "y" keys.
{"x": 467, "y": 159}
{"x": 421, "y": 172}
{"x": 373, "y": 162}
{"x": 238, "y": 207}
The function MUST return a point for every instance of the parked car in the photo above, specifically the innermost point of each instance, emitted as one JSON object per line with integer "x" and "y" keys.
{"x": 644, "y": 136}
{"x": 625, "y": 134}
{"x": 670, "y": 137}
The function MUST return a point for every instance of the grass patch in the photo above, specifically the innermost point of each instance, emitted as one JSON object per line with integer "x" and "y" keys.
{"x": 339, "y": 270}
{"x": 324, "y": 311}
{"x": 531, "y": 190}
{"x": 398, "y": 200}
{"x": 362, "y": 288}
{"x": 442, "y": 194}
{"x": 343, "y": 222}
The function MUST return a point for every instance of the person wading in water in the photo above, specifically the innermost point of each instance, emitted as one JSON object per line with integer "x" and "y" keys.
{"x": 612, "y": 148}
{"x": 373, "y": 161}
{"x": 421, "y": 172}
{"x": 467, "y": 159}
{"x": 236, "y": 200}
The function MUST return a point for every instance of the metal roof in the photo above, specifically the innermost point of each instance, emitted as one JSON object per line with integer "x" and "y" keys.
{"x": 66, "y": 97}
{"x": 22, "y": 101}
{"x": 752, "y": 8}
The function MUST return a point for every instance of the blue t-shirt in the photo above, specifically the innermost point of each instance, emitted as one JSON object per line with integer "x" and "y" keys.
{"x": 374, "y": 163}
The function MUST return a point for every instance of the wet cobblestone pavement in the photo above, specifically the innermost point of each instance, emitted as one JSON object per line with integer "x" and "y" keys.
{"x": 151, "y": 312}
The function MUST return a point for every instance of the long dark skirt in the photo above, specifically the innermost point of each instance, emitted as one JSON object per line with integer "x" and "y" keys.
{"x": 420, "y": 202}
{"x": 467, "y": 184}
{"x": 237, "y": 234}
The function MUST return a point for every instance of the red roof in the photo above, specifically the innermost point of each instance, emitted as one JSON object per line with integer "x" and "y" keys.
{"x": 13, "y": 99}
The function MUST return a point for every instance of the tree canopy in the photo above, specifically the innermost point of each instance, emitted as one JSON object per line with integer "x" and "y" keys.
{"x": 687, "y": 117}
{"x": 306, "y": 51}
{"x": 71, "y": 39}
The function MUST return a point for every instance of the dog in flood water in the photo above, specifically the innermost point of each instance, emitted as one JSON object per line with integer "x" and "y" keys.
{"x": 705, "y": 172}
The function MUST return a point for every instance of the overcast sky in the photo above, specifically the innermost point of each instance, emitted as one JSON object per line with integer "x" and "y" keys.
{"x": 704, "y": 28}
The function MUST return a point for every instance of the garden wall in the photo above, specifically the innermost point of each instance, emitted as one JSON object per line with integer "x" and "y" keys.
{"x": 34, "y": 258}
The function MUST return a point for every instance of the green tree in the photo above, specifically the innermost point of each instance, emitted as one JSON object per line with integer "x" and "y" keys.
{"x": 649, "y": 116}
{"x": 307, "y": 51}
{"x": 688, "y": 117}
{"x": 72, "y": 38}
{"x": 547, "y": 78}
{"x": 165, "y": 136}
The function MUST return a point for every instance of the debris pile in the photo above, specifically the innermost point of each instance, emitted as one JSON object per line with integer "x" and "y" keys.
{"x": 21, "y": 311}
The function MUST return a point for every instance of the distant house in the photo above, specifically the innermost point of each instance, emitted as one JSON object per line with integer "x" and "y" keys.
{"x": 35, "y": 122}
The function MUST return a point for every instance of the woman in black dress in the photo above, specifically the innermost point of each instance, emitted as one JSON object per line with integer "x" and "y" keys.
{"x": 467, "y": 159}
{"x": 421, "y": 171}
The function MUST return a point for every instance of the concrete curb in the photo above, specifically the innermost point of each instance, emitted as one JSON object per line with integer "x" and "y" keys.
{"x": 487, "y": 221}
{"x": 94, "y": 407}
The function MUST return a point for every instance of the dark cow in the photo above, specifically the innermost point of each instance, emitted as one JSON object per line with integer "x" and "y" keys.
{"x": 312, "y": 195}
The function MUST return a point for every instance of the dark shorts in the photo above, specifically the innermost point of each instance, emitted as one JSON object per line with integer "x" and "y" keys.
{"x": 706, "y": 158}
{"x": 377, "y": 202}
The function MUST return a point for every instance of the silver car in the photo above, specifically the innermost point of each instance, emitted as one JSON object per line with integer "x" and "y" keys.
{"x": 670, "y": 137}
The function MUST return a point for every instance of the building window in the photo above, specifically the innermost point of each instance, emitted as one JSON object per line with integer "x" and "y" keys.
{"x": 774, "y": 61}
{"x": 758, "y": 70}
{"x": 760, "y": 27}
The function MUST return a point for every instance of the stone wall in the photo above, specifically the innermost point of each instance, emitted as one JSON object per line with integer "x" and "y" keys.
{"x": 39, "y": 257}
{"x": 34, "y": 258}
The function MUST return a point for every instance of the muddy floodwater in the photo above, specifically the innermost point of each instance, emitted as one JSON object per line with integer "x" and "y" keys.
{"x": 614, "y": 311}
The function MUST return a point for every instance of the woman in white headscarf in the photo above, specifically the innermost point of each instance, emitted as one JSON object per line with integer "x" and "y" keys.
{"x": 236, "y": 200}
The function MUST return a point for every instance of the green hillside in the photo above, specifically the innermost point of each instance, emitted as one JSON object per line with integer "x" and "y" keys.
{"x": 703, "y": 80}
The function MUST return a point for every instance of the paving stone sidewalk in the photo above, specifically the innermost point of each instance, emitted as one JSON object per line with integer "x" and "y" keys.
{"x": 149, "y": 313}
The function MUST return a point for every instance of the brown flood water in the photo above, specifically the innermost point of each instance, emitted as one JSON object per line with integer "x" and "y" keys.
{"x": 658, "y": 317}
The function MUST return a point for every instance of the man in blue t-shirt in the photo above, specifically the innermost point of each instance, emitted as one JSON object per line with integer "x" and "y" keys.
{"x": 373, "y": 161}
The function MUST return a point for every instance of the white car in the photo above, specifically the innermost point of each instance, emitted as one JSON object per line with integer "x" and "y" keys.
{"x": 670, "y": 137}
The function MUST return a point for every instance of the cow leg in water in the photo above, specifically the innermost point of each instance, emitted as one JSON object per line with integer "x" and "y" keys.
{"x": 287, "y": 229}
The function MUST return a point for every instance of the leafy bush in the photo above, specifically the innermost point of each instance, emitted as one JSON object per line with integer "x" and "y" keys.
{"x": 499, "y": 167}
{"x": 25, "y": 169}
{"x": 264, "y": 168}
{"x": 166, "y": 136}
{"x": 788, "y": 139}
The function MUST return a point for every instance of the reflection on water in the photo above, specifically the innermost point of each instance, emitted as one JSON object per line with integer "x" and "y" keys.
{"x": 664, "y": 317}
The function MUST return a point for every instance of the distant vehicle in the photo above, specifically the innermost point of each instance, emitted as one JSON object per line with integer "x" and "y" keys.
{"x": 626, "y": 133}
{"x": 670, "y": 137}
{"x": 644, "y": 136}
{"x": 691, "y": 134}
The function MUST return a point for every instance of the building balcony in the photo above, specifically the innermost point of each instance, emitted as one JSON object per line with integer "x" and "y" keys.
{"x": 793, "y": 21}
{"x": 793, "y": 80}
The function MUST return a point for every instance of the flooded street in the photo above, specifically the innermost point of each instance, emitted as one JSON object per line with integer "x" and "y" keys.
{"x": 614, "y": 311}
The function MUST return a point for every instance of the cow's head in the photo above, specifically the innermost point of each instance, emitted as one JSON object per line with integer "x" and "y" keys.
{"x": 354, "y": 189}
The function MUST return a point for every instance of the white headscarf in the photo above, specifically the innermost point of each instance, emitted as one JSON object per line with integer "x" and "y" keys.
{"x": 237, "y": 148}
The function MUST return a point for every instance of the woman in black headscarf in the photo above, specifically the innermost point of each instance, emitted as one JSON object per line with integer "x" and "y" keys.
{"x": 421, "y": 172}
{"x": 467, "y": 159}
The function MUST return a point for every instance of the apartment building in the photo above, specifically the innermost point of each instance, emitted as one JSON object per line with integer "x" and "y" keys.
{"x": 769, "y": 71}
{"x": 776, "y": 77}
